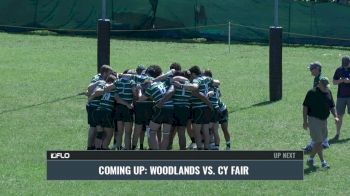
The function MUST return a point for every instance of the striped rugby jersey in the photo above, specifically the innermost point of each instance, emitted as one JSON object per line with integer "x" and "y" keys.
{"x": 96, "y": 101}
{"x": 214, "y": 99}
{"x": 203, "y": 86}
{"x": 156, "y": 92}
{"x": 96, "y": 78}
{"x": 140, "y": 79}
{"x": 182, "y": 97}
{"x": 107, "y": 101}
{"x": 222, "y": 105}
{"x": 124, "y": 87}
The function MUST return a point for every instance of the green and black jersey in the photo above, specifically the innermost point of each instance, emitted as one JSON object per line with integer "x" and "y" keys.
{"x": 156, "y": 92}
{"x": 107, "y": 101}
{"x": 140, "y": 79}
{"x": 96, "y": 101}
{"x": 203, "y": 83}
{"x": 124, "y": 87}
{"x": 214, "y": 99}
{"x": 96, "y": 78}
{"x": 222, "y": 105}
{"x": 182, "y": 97}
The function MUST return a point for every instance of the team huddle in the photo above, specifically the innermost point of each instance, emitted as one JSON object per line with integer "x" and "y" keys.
{"x": 123, "y": 108}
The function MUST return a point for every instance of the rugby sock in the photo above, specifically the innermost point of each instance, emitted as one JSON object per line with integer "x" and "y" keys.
{"x": 141, "y": 146}
{"x": 228, "y": 144}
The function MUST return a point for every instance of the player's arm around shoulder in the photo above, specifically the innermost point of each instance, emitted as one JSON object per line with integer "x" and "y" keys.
{"x": 170, "y": 92}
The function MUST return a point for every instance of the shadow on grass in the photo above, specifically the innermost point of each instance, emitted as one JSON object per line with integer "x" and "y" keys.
{"x": 310, "y": 170}
{"x": 333, "y": 141}
{"x": 39, "y": 104}
{"x": 252, "y": 106}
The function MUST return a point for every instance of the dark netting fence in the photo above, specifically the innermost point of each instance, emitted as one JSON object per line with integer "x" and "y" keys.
{"x": 302, "y": 22}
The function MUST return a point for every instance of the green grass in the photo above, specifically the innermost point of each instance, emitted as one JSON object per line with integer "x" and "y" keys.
{"x": 38, "y": 72}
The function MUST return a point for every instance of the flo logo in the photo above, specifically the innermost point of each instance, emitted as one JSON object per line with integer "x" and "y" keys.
{"x": 59, "y": 155}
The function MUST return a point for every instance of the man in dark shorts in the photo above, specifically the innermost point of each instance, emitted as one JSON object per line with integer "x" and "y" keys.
{"x": 200, "y": 110}
{"x": 223, "y": 121}
{"x": 161, "y": 116}
{"x": 124, "y": 115}
{"x": 125, "y": 93}
{"x": 103, "y": 116}
{"x": 181, "y": 99}
{"x": 91, "y": 106}
{"x": 317, "y": 106}
{"x": 213, "y": 96}
{"x": 143, "y": 109}
{"x": 342, "y": 79}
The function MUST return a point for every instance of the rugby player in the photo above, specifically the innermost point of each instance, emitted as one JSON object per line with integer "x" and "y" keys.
{"x": 103, "y": 116}
{"x": 91, "y": 105}
{"x": 161, "y": 116}
{"x": 200, "y": 110}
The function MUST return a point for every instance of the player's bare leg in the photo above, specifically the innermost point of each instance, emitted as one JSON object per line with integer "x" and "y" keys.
{"x": 215, "y": 128}
{"x": 159, "y": 136}
{"x": 153, "y": 142}
{"x": 142, "y": 138}
{"x": 182, "y": 137}
{"x": 91, "y": 138}
{"x": 136, "y": 136}
{"x": 171, "y": 137}
{"x": 166, "y": 136}
{"x": 108, "y": 137}
{"x": 99, "y": 137}
{"x": 128, "y": 132}
{"x": 198, "y": 136}
{"x": 120, "y": 134}
{"x": 224, "y": 127}
{"x": 191, "y": 135}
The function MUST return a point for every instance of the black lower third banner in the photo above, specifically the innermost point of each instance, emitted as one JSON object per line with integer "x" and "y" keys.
{"x": 175, "y": 165}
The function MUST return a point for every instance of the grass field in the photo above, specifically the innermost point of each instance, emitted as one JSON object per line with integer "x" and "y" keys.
{"x": 40, "y": 110}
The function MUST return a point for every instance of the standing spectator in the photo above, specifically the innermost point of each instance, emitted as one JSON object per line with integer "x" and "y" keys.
{"x": 316, "y": 71}
{"x": 316, "y": 108}
{"x": 341, "y": 78}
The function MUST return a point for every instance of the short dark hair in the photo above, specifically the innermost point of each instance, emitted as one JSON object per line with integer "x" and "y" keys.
{"x": 154, "y": 71}
{"x": 345, "y": 61}
{"x": 105, "y": 69}
{"x": 126, "y": 71}
{"x": 111, "y": 78}
{"x": 314, "y": 65}
{"x": 175, "y": 66}
{"x": 187, "y": 74}
{"x": 195, "y": 70}
{"x": 140, "y": 69}
{"x": 208, "y": 73}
